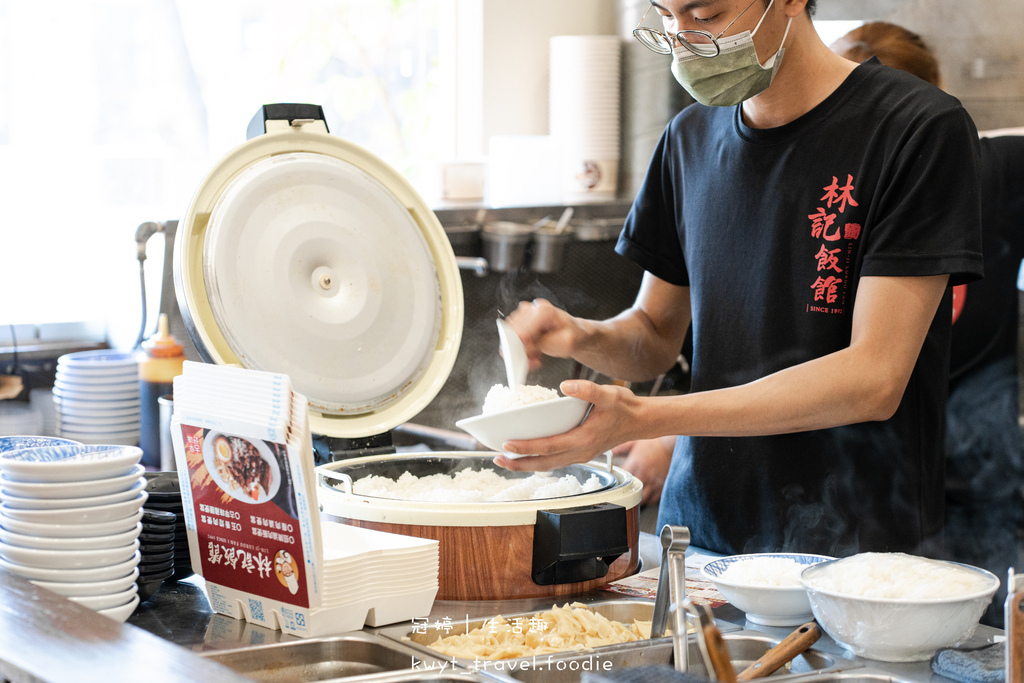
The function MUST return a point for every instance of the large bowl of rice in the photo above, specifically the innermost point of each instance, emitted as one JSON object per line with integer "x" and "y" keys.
{"x": 895, "y": 607}
{"x": 765, "y": 585}
{"x": 530, "y": 412}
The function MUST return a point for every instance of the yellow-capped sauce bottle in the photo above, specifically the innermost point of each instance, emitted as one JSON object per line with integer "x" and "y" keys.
{"x": 162, "y": 361}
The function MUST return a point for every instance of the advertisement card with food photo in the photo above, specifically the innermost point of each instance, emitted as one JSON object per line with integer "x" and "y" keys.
{"x": 247, "y": 513}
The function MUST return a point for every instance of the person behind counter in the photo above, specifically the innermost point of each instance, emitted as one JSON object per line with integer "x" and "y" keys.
{"x": 984, "y": 450}
{"x": 807, "y": 217}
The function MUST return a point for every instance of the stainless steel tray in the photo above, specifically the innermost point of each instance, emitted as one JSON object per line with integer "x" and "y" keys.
{"x": 565, "y": 666}
{"x": 354, "y": 656}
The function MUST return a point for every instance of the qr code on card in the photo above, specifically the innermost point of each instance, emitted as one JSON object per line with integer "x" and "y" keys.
{"x": 256, "y": 610}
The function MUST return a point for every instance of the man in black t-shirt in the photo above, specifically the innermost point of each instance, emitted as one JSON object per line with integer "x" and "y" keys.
{"x": 809, "y": 234}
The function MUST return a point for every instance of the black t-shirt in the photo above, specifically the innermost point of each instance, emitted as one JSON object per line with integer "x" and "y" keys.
{"x": 771, "y": 230}
{"x": 986, "y": 326}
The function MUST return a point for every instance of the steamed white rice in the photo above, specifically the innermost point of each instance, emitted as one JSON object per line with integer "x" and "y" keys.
{"x": 469, "y": 486}
{"x": 501, "y": 397}
{"x": 764, "y": 571}
{"x": 896, "y": 575}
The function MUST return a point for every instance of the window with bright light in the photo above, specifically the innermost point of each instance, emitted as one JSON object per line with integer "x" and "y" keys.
{"x": 112, "y": 112}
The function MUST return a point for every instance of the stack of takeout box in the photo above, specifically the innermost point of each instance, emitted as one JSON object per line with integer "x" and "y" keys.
{"x": 244, "y": 458}
{"x": 70, "y": 518}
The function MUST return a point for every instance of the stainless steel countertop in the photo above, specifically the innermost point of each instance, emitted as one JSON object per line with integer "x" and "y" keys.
{"x": 181, "y": 614}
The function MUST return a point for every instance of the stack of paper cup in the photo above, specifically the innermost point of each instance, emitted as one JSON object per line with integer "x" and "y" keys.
{"x": 584, "y": 113}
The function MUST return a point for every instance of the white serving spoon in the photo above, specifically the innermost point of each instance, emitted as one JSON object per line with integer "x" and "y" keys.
{"x": 517, "y": 365}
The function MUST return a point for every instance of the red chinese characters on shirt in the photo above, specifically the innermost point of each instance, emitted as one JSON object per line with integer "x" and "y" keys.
{"x": 827, "y": 259}
{"x": 827, "y": 226}
{"x": 821, "y": 222}
{"x": 825, "y": 289}
{"x": 840, "y": 195}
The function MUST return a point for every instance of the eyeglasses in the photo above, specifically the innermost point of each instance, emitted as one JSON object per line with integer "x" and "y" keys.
{"x": 700, "y": 43}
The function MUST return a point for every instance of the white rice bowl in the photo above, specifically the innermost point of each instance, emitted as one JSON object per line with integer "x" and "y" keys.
{"x": 532, "y": 412}
{"x": 895, "y": 607}
{"x": 501, "y": 398}
{"x": 766, "y": 586}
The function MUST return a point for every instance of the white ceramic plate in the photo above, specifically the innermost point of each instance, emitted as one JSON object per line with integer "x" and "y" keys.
{"x": 533, "y": 421}
{"x": 120, "y": 438}
{"x": 92, "y": 423}
{"x": 89, "y": 425}
{"x": 83, "y": 543}
{"x": 82, "y": 515}
{"x": 17, "y": 443}
{"x": 99, "y": 359}
{"x": 68, "y": 588}
{"x": 69, "y": 463}
{"x": 68, "y": 559}
{"x": 89, "y": 409}
{"x": 106, "y": 573}
{"x": 108, "y": 600}
{"x": 212, "y": 452}
{"x": 104, "y": 385}
{"x": 71, "y": 530}
{"x": 30, "y": 503}
{"x": 113, "y": 393}
{"x": 57, "y": 489}
{"x": 92, "y": 378}
{"x": 121, "y": 613}
{"x": 95, "y": 404}
{"x": 93, "y": 430}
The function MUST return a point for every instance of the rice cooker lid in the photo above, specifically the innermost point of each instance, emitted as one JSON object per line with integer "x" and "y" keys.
{"x": 305, "y": 254}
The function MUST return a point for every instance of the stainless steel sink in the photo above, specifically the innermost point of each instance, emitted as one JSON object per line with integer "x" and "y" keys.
{"x": 744, "y": 648}
{"x": 342, "y": 657}
{"x": 865, "y": 675}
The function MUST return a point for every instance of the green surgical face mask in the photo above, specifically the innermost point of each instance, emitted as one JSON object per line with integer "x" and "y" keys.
{"x": 732, "y": 76}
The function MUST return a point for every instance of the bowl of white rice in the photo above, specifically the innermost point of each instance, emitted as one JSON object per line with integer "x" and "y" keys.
{"x": 530, "y": 412}
{"x": 765, "y": 585}
{"x": 895, "y": 607}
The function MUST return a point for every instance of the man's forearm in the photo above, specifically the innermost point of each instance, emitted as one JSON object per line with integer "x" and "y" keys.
{"x": 627, "y": 347}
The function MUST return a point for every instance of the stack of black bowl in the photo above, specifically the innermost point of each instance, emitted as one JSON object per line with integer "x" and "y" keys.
{"x": 165, "y": 494}
{"x": 156, "y": 546}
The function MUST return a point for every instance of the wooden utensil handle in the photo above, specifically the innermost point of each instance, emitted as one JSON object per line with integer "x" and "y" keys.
{"x": 788, "y": 648}
{"x": 719, "y": 654}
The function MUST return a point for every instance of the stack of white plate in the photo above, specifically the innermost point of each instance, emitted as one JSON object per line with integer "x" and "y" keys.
{"x": 584, "y": 112}
{"x": 70, "y": 518}
{"x": 97, "y": 397}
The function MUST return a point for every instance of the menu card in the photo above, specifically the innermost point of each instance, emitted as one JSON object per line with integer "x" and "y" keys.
{"x": 245, "y": 460}
{"x": 645, "y": 584}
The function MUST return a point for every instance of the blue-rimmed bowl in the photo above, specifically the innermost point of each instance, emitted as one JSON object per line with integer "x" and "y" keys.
{"x": 17, "y": 443}
{"x": 767, "y": 605}
{"x": 68, "y": 463}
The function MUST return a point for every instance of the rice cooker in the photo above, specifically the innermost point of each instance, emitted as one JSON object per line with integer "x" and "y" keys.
{"x": 305, "y": 254}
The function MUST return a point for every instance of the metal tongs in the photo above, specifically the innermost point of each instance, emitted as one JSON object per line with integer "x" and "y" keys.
{"x": 1014, "y": 618}
{"x": 672, "y": 587}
